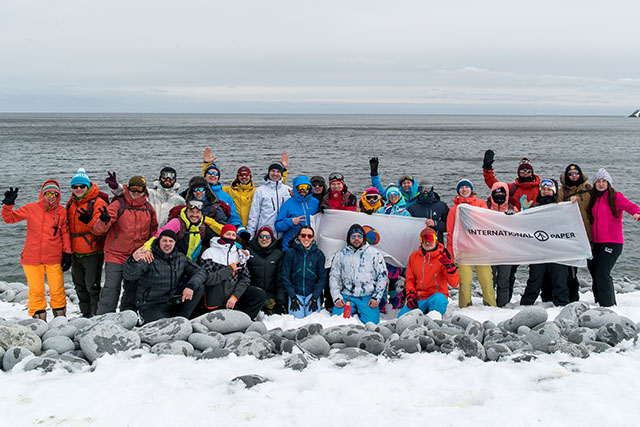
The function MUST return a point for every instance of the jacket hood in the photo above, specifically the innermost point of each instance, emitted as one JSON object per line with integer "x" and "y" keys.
{"x": 368, "y": 206}
{"x": 413, "y": 191}
{"x": 300, "y": 180}
{"x": 174, "y": 189}
{"x": 41, "y": 199}
{"x": 470, "y": 200}
{"x": 504, "y": 206}
{"x": 566, "y": 182}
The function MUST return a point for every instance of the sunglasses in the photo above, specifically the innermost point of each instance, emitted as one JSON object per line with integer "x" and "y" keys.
{"x": 336, "y": 177}
{"x": 356, "y": 236}
{"x": 573, "y": 173}
{"x": 264, "y": 236}
{"x": 201, "y": 189}
{"x": 318, "y": 185}
{"x": 244, "y": 174}
{"x": 51, "y": 194}
{"x": 306, "y": 235}
{"x": 136, "y": 189}
{"x": 78, "y": 187}
{"x": 168, "y": 175}
{"x": 428, "y": 238}
{"x": 213, "y": 172}
{"x": 393, "y": 194}
{"x": 526, "y": 171}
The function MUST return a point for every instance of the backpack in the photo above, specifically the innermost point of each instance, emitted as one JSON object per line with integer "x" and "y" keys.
{"x": 125, "y": 206}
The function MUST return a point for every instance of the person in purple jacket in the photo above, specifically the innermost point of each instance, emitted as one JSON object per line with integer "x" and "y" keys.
{"x": 605, "y": 212}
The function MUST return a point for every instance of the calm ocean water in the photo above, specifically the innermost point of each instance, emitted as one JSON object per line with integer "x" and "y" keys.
{"x": 444, "y": 149}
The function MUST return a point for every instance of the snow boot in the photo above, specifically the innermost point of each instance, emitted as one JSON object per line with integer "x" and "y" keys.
{"x": 59, "y": 311}
{"x": 40, "y": 314}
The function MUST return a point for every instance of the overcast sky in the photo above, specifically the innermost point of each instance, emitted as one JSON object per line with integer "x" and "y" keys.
{"x": 276, "y": 56}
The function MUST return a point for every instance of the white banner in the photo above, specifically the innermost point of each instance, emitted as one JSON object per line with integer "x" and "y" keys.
{"x": 399, "y": 235}
{"x": 550, "y": 233}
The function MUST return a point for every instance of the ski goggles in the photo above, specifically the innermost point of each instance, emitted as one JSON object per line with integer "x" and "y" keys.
{"x": 547, "y": 183}
{"x": 429, "y": 238}
{"x": 372, "y": 198}
{"x": 195, "y": 204}
{"x": 303, "y": 187}
{"x": 136, "y": 189}
{"x": 51, "y": 194}
{"x": 78, "y": 187}
{"x": 336, "y": 177}
{"x": 167, "y": 175}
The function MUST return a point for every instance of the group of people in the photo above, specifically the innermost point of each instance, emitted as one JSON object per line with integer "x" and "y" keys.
{"x": 251, "y": 247}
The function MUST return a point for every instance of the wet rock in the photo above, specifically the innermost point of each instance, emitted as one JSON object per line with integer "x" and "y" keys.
{"x": 530, "y": 317}
{"x": 598, "y": 317}
{"x": 542, "y": 336}
{"x": 203, "y": 341}
{"x": 13, "y": 335}
{"x": 177, "y": 348}
{"x": 165, "y": 330}
{"x": 316, "y": 345}
{"x": 250, "y": 381}
{"x": 13, "y": 356}
{"x": 106, "y": 338}
{"x": 297, "y": 362}
{"x": 373, "y": 342}
{"x": 226, "y": 321}
{"x": 61, "y": 344}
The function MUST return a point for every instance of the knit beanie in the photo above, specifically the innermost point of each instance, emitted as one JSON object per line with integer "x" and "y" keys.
{"x": 81, "y": 178}
{"x": 316, "y": 179}
{"x": 462, "y": 183}
{"x": 243, "y": 170}
{"x": 372, "y": 190}
{"x": 51, "y": 186}
{"x": 169, "y": 233}
{"x": 276, "y": 165}
{"x": 425, "y": 186}
{"x": 212, "y": 166}
{"x": 228, "y": 227}
{"x": 355, "y": 228}
{"x": 525, "y": 164}
{"x": 603, "y": 174}
{"x": 268, "y": 230}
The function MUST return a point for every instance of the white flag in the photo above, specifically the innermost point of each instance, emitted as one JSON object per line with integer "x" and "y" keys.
{"x": 399, "y": 235}
{"x": 549, "y": 233}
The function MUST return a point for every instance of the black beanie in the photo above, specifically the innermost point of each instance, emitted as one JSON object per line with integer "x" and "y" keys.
{"x": 354, "y": 228}
{"x": 169, "y": 233}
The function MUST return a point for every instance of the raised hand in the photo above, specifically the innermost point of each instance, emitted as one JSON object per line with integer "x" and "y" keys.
{"x": 373, "y": 165}
{"x": 284, "y": 159}
{"x": 487, "y": 161}
{"x": 111, "y": 180}
{"x": 10, "y": 196}
{"x": 207, "y": 157}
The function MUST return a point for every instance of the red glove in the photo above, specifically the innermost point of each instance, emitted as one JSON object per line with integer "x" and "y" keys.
{"x": 449, "y": 265}
{"x": 412, "y": 300}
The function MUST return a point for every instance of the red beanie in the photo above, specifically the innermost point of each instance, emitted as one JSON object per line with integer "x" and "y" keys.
{"x": 244, "y": 169}
{"x": 228, "y": 227}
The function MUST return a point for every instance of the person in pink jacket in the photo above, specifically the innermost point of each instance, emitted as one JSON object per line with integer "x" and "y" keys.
{"x": 605, "y": 212}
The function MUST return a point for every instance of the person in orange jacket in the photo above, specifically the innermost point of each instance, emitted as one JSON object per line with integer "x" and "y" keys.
{"x": 523, "y": 192}
{"x": 129, "y": 221}
{"x": 83, "y": 211}
{"x": 47, "y": 249}
{"x": 484, "y": 272}
{"x": 430, "y": 272}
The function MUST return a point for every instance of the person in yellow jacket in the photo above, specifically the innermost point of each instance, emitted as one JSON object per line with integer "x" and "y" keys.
{"x": 242, "y": 187}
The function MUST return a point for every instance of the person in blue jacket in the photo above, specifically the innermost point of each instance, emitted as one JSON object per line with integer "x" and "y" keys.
{"x": 303, "y": 274}
{"x": 407, "y": 184}
{"x": 212, "y": 175}
{"x": 296, "y": 211}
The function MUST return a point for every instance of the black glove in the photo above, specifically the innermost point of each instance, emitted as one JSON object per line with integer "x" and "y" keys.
{"x": 104, "y": 215}
{"x": 321, "y": 208}
{"x": 279, "y": 308}
{"x": 10, "y": 196}
{"x": 412, "y": 300}
{"x": 373, "y": 164}
{"x": 84, "y": 216}
{"x": 295, "y": 304}
{"x": 66, "y": 261}
{"x": 244, "y": 235}
{"x": 312, "y": 304}
{"x": 487, "y": 161}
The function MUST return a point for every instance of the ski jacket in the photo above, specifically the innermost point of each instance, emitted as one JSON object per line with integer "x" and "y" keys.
{"x": 296, "y": 206}
{"x": 264, "y": 267}
{"x": 582, "y": 193}
{"x": 163, "y": 199}
{"x": 132, "y": 223}
{"x": 607, "y": 228}
{"x": 342, "y": 200}
{"x": 432, "y": 207}
{"x": 83, "y": 239}
{"x": 522, "y": 195}
{"x": 160, "y": 279}
{"x": 358, "y": 272}
{"x": 303, "y": 271}
{"x": 266, "y": 204}
{"x": 242, "y": 195}
{"x": 426, "y": 275}
{"x": 451, "y": 218}
{"x": 47, "y": 232}
{"x": 409, "y": 197}
{"x": 222, "y": 281}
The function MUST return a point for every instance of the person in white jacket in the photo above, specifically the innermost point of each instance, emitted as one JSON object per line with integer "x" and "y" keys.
{"x": 268, "y": 199}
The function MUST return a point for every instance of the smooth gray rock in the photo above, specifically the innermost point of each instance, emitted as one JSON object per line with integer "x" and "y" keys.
{"x": 412, "y": 318}
{"x": 64, "y": 330}
{"x": 371, "y": 341}
{"x": 566, "y": 347}
{"x": 37, "y": 326}
{"x": 338, "y": 346}
{"x": 439, "y": 337}
{"x": 613, "y": 334}
{"x": 384, "y": 331}
{"x": 489, "y": 325}
{"x": 352, "y": 336}
{"x": 469, "y": 346}
{"x": 523, "y": 330}
{"x": 257, "y": 347}
{"x": 581, "y": 335}
{"x": 2, "y": 351}
{"x": 496, "y": 352}
{"x": 203, "y": 341}
{"x": 444, "y": 326}
{"x": 214, "y": 353}
{"x": 8, "y": 296}
{"x": 48, "y": 364}
{"x": 566, "y": 326}
{"x": 13, "y": 335}
{"x": 250, "y": 381}
{"x": 407, "y": 346}
{"x": 21, "y": 296}
{"x": 297, "y": 362}
{"x": 107, "y": 338}
{"x": 80, "y": 323}
{"x": 335, "y": 334}
{"x": 596, "y": 346}
{"x": 258, "y": 327}
{"x": 316, "y": 345}
{"x": 572, "y": 311}
{"x": 542, "y": 336}
{"x": 177, "y": 348}
{"x": 226, "y": 321}
{"x": 165, "y": 330}
{"x": 308, "y": 330}
{"x": 530, "y": 317}
{"x": 597, "y": 317}
{"x": 58, "y": 322}
{"x": 230, "y": 338}
{"x": 199, "y": 328}
{"x": 61, "y": 344}
{"x": 13, "y": 356}
{"x": 475, "y": 330}
{"x": 49, "y": 353}
{"x": 462, "y": 321}
{"x": 628, "y": 323}
{"x": 127, "y": 319}
{"x": 345, "y": 356}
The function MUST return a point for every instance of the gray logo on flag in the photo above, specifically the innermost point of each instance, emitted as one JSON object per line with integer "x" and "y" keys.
{"x": 541, "y": 235}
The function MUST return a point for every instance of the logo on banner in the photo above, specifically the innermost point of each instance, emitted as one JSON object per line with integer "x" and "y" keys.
{"x": 541, "y": 235}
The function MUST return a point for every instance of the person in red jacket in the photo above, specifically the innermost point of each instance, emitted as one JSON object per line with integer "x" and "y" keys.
{"x": 430, "y": 272}
{"x": 338, "y": 196}
{"x": 47, "y": 249}
{"x": 129, "y": 221}
{"x": 83, "y": 211}
{"x": 484, "y": 272}
{"x": 523, "y": 192}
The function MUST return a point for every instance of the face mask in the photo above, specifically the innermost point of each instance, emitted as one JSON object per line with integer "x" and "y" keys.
{"x": 499, "y": 198}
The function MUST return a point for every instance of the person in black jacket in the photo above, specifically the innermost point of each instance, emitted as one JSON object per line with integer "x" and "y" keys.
{"x": 303, "y": 274}
{"x": 160, "y": 292}
{"x": 430, "y": 206}
{"x": 264, "y": 266}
